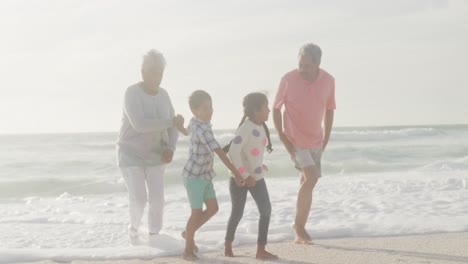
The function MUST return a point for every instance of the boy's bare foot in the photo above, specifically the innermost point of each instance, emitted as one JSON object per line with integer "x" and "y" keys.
{"x": 263, "y": 254}
{"x": 190, "y": 256}
{"x": 195, "y": 248}
{"x": 302, "y": 237}
{"x": 228, "y": 249}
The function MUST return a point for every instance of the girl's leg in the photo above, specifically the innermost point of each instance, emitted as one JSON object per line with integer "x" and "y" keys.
{"x": 260, "y": 194}
{"x": 238, "y": 198}
{"x": 134, "y": 178}
{"x": 310, "y": 176}
{"x": 155, "y": 183}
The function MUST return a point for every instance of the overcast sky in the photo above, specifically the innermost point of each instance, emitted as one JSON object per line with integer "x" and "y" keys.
{"x": 64, "y": 65}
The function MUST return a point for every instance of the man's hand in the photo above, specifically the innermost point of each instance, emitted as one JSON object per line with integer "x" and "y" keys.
{"x": 265, "y": 168}
{"x": 250, "y": 182}
{"x": 288, "y": 145}
{"x": 167, "y": 156}
{"x": 324, "y": 145}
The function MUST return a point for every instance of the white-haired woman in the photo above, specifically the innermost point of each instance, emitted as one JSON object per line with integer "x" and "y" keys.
{"x": 146, "y": 143}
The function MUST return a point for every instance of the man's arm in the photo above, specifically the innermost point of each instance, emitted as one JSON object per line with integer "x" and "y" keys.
{"x": 278, "y": 121}
{"x": 329, "y": 115}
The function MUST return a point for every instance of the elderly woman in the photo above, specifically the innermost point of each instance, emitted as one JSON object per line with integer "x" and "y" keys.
{"x": 146, "y": 143}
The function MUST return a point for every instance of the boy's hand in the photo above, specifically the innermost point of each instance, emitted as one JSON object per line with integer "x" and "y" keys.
{"x": 239, "y": 181}
{"x": 250, "y": 182}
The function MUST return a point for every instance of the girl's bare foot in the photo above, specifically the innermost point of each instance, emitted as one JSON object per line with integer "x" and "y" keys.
{"x": 228, "y": 249}
{"x": 302, "y": 237}
{"x": 195, "y": 248}
{"x": 263, "y": 254}
{"x": 190, "y": 256}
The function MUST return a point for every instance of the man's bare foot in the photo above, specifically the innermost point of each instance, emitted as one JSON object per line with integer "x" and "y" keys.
{"x": 228, "y": 249}
{"x": 263, "y": 254}
{"x": 195, "y": 248}
{"x": 302, "y": 237}
{"x": 190, "y": 256}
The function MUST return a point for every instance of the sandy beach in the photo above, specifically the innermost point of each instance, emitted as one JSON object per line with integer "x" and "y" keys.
{"x": 435, "y": 248}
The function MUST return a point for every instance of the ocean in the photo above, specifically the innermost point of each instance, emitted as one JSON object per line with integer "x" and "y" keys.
{"x": 62, "y": 196}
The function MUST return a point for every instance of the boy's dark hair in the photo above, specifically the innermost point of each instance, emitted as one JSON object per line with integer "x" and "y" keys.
{"x": 197, "y": 98}
{"x": 252, "y": 103}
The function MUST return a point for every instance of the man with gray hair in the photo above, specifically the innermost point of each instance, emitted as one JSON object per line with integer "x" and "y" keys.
{"x": 308, "y": 94}
{"x": 146, "y": 143}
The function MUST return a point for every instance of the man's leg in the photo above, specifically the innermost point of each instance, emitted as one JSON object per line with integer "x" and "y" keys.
{"x": 310, "y": 175}
{"x": 155, "y": 183}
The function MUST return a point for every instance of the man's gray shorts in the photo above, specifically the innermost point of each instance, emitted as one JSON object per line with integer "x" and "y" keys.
{"x": 306, "y": 157}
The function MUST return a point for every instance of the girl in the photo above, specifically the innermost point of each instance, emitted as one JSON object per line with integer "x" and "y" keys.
{"x": 246, "y": 153}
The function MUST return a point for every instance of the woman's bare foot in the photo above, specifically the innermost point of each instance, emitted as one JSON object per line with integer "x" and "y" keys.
{"x": 302, "y": 237}
{"x": 195, "y": 248}
{"x": 190, "y": 256}
{"x": 263, "y": 254}
{"x": 228, "y": 249}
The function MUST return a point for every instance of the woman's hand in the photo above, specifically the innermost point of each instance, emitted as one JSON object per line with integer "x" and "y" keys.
{"x": 167, "y": 156}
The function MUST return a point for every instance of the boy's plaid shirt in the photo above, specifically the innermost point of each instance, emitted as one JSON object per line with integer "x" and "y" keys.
{"x": 202, "y": 145}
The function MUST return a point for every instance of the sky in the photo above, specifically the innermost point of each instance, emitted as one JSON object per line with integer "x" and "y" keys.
{"x": 65, "y": 65}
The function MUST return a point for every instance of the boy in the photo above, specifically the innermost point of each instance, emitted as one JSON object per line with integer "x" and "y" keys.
{"x": 198, "y": 171}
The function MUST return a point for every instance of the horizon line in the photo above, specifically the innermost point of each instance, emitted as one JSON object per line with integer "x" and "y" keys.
{"x": 272, "y": 130}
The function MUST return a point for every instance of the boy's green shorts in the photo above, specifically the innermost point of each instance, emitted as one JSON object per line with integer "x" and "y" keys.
{"x": 198, "y": 191}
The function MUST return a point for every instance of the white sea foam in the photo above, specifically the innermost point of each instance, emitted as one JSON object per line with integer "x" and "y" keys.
{"x": 93, "y": 227}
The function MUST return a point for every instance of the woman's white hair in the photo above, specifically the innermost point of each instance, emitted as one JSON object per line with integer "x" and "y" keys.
{"x": 153, "y": 58}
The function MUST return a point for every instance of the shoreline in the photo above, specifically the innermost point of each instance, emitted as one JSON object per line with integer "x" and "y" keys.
{"x": 428, "y": 248}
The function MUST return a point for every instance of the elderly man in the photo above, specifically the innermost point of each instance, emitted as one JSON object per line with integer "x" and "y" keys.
{"x": 146, "y": 143}
{"x": 308, "y": 94}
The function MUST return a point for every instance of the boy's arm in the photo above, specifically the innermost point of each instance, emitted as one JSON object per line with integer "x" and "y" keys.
{"x": 207, "y": 138}
{"x": 183, "y": 130}
{"x": 236, "y": 148}
{"x": 227, "y": 162}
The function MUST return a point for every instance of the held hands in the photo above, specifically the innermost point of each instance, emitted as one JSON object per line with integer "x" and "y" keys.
{"x": 239, "y": 181}
{"x": 179, "y": 124}
{"x": 250, "y": 182}
{"x": 178, "y": 121}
